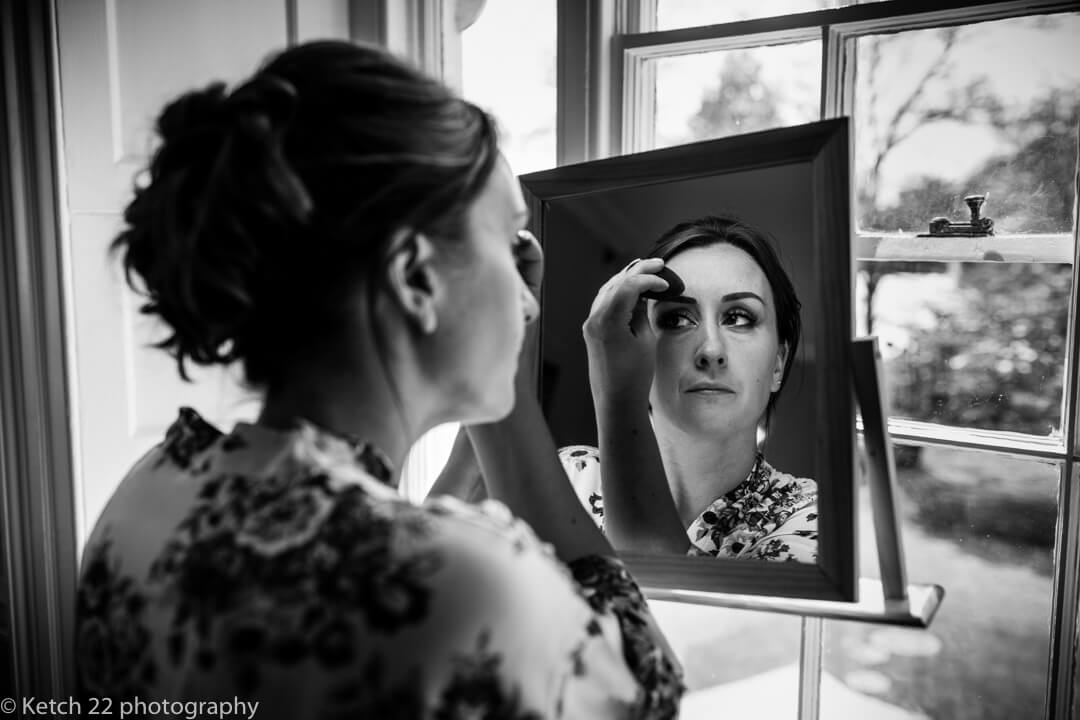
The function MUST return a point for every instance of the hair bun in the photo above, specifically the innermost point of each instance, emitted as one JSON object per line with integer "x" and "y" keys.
{"x": 221, "y": 198}
{"x": 265, "y": 95}
{"x": 192, "y": 111}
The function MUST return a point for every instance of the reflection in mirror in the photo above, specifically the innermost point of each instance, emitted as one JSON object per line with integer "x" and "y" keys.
{"x": 718, "y": 355}
{"x": 709, "y": 429}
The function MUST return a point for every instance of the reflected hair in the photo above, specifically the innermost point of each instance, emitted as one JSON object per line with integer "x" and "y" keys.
{"x": 726, "y": 229}
{"x": 266, "y": 206}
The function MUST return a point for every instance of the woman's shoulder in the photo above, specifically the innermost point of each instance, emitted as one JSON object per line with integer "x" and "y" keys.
{"x": 787, "y": 483}
{"x": 582, "y": 466}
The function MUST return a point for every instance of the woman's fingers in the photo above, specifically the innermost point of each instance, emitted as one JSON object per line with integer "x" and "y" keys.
{"x": 625, "y": 288}
{"x": 618, "y": 304}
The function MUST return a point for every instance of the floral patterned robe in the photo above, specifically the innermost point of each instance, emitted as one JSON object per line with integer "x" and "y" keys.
{"x": 282, "y": 567}
{"x": 769, "y": 516}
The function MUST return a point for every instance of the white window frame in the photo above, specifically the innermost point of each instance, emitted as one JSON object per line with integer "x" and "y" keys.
{"x": 605, "y": 80}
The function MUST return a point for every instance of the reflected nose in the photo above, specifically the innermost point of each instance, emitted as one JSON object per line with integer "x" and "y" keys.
{"x": 710, "y": 351}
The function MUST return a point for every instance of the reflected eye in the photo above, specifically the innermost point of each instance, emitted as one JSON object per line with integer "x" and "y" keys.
{"x": 740, "y": 317}
{"x": 674, "y": 320}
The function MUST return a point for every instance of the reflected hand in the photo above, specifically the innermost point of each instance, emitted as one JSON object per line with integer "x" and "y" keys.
{"x": 620, "y": 342}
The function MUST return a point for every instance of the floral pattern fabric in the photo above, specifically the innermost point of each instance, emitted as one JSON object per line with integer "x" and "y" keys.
{"x": 283, "y": 567}
{"x": 769, "y": 516}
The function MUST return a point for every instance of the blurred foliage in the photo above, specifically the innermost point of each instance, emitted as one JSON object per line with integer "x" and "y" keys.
{"x": 739, "y": 102}
{"x": 1029, "y": 190}
{"x": 994, "y": 358}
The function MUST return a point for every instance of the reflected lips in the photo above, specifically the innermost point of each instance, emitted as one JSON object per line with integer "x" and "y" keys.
{"x": 709, "y": 388}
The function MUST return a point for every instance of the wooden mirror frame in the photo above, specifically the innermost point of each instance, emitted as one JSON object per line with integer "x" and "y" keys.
{"x": 787, "y": 171}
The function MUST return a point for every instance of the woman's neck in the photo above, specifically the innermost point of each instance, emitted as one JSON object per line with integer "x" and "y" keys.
{"x": 351, "y": 404}
{"x": 701, "y": 469}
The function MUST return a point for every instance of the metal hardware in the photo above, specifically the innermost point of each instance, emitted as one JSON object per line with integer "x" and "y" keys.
{"x": 977, "y": 226}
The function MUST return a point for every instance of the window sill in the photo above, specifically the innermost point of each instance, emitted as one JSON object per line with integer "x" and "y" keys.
{"x": 1042, "y": 248}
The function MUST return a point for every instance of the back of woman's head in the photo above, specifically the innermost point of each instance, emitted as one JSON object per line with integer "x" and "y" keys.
{"x": 713, "y": 230}
{"x": 266, "y": 207}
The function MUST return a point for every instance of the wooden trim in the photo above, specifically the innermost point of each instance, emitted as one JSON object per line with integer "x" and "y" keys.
{"x": 366, "y": 23}
{"x": 1018, "y": 445}
{"x": 1044, "y": 248}
{"x": 571, "y": 85}
{"x": 584, "y": 100}
{"x": 412, "y": 29}
{"x": 837, "y": 74}
{"x": 723, "y": 41}
{"x": 36, "y": 443}
{"x": 854, "y": 20}
{"x": 1061, "y": 691}
{"x": 292, "y": 22}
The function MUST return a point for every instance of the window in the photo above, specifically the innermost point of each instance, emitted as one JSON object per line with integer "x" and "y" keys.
{"x": 975, "y": 99}
{"x": 726, "y": 92}
{"x": 507, "y": 68}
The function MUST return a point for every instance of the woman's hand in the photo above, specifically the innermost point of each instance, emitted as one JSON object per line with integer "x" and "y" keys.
{"x": 620, "y": 342}
{"x": 639, "y": 513}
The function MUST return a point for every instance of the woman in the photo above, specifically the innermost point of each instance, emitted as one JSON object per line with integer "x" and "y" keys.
{"x": 682, "y": 390}
{"x": 325, "y": 224}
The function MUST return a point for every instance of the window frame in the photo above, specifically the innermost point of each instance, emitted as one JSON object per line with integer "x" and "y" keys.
{"x": 604, "y": 83}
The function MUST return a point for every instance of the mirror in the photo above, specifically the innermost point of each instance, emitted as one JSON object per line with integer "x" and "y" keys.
{"x": 595, "y": 217}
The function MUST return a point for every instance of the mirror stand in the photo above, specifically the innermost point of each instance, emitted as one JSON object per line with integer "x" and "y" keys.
{"x": 890, "y": 600}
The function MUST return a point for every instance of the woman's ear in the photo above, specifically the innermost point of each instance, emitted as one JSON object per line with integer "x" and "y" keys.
{"x": 778, "y": 368}
{"x": 410, "y": 278}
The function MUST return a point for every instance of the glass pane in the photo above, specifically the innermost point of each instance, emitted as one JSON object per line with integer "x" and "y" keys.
{"x": 508, "y": 68}
{"x": 733, "y": 659}
{"x": 976, "y": 345}
{"x": 671, "y": 14}
{"x": 990, "y": 108}
{"x": 710, "y": 95}
{"x": 980, "y": 525}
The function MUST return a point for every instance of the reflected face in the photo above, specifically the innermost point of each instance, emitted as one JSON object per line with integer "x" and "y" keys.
{"x": 487, "y": 303}
{"x": 717, "y": 359}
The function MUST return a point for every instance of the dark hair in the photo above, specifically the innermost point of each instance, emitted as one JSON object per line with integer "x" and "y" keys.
{"x": 712, "y": 230}
{"x": 265, "y": 206}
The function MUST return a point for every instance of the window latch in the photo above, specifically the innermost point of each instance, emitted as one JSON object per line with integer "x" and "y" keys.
{"x": 975, "y": 227}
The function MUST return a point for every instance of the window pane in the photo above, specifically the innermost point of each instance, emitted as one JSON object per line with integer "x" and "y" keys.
{"x": 982, "y": 526}
{"x": 990, "y": 108}
{"x": 671, "y": 14}
{"x": 508, "y": 68}
{"x": 977, "y": 345}
{"x": 733, "y": 659}
{"x": 710, "y": 95}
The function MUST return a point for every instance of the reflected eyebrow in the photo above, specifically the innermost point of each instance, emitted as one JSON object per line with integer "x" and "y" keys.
{"x": 740, "y": 295}
{"x": 687, "y": 300}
